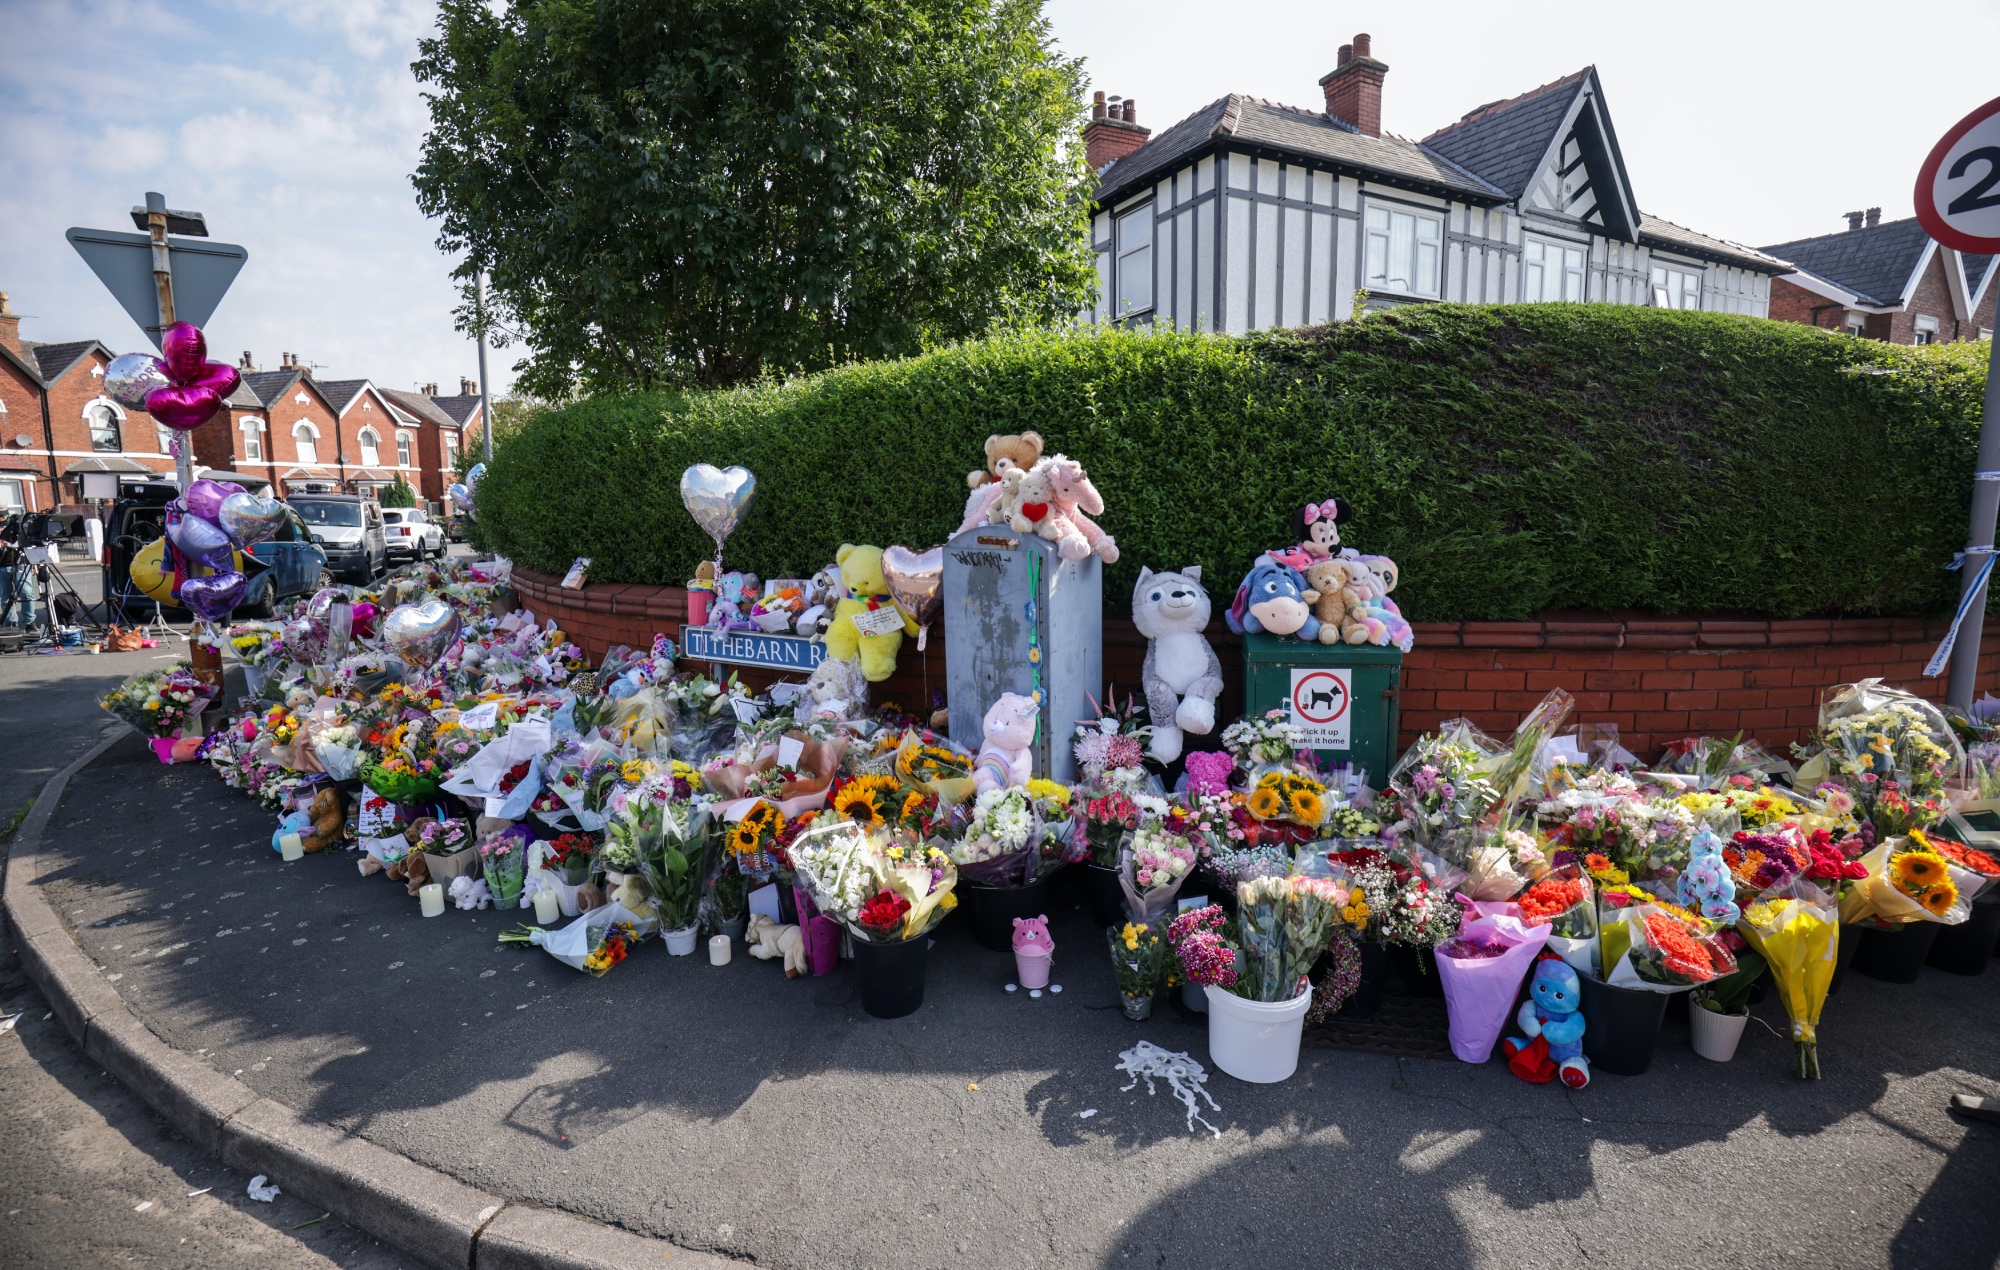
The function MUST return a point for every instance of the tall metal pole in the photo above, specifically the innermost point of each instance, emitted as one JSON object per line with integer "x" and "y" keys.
{"x": 1978, "y": 541}
{"x": 163, "y": 280}
{"x": 485, "y": 400}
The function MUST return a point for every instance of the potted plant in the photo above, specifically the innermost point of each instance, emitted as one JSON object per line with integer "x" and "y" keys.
{"x": 672, "y": 839}
{"x": 1139, "y": 959}
{"x": 890, "y": 889}
{"x": 1253, "y": 969}
{"x": 1721, "y": 1007}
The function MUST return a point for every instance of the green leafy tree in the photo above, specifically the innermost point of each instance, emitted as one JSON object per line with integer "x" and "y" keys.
{"x": 699, "y": 193}
{"x": 401, "y": 494}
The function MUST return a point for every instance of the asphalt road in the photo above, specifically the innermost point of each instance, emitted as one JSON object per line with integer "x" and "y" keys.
{"x": 733, "y": 1111}
{"x": 83, "y": 1155}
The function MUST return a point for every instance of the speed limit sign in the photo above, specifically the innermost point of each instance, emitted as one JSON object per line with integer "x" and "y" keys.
{"x": 1958, "y": 188}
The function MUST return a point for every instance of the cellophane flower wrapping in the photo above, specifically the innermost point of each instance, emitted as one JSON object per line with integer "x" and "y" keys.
{"x": 1907, "y": 882}
{"x": 1796, "y": 927}
{"x": 1669, "y": 952}
{"x": 845, "y": 865}
{"x": 1444, "y": 783}
{"x": 1895, "y": 752}
{"x": 1564, "y": 900}
{"x": 1153, "y": 864}
{"x": 1481, "y": 970}
{"x": 1001, "y": 841}
{"x": 674, "y": 841}
{"x": 1281, "y": 926}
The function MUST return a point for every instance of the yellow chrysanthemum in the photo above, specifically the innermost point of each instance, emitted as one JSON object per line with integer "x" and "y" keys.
{"x": 1049, "y": 791}
{"x": 1265, "y": 803}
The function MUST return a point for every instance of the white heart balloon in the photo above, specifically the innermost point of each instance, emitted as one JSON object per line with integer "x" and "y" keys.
{"x": 717, "y": 497}
{"x": 129, "y": 378}
{"x": 250, "y": 519}
{"x": 420, "y": 633}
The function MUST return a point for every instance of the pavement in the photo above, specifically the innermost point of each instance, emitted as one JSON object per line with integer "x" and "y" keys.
{"x": 91, "y": 1174}
{"x": 729, "y": 1110}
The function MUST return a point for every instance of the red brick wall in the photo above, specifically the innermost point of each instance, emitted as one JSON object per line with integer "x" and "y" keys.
{"x": 1932, "y": 298}
{"x": 1657, "y": 679}
{"x": 67, "y": 398}
{"x": 284, "y": 416}
{"x": 1790, "y": 303}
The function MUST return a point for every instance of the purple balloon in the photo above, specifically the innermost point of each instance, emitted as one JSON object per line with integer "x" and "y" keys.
{"x": 214, "y": 599}
{"x": 204, "y": 498}
{"x": 198, "y": 538}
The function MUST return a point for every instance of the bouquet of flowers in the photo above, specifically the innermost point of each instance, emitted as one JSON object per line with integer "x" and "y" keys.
{"x": 338, "y": 747}
{"x": 1481, "y": 969}
{"x": 1561, "y": 899}
{"x": 1402, "y": 907}
{"x": 1102, "y": 824}
{"x": 1139, "y": 959}
{"x": 1796, "y": 928}
{"x": 1502, "y": 861}
{"x": 1153, "y": 862}
{"x": 1907, "y": 881}
{"x": 252, "y": 642}
{"x": 159, "y": 702}
{"x": 1675, "y": 950}
{"x": 1001, "y": 844}
{"x": 673, "y": 838}
{"x": 1232, "y": 865}
{"x": 1711, "y": 762}
{"x": 1444, "y": 782}
{"x": 886, "y": 888}
{"x": 572, "y": 855}
{"x": 410, "y": 768}
{"x": 1282, "y": 925}
{"x": 1895, "y": 752}
{"x": 930, "y": 759}
{"x": 1971, "y": 871}
{"x": 1345, "y": 820}
{"x": 503, "y": 860}
{"x": 588, "y": 945}
{"x": 1288, "y": 796}
{"x": 1269, "y": 740}
{"x": 443, "y": 837}
{"x": 1111, "y": 749}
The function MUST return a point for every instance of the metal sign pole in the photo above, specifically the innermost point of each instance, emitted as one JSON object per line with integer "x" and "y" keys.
{"x": 1978, "y": 542}
{"x": 163, "y": 281}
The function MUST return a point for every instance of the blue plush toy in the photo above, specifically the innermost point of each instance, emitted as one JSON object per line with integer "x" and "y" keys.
{"x": 1554, "y": 1046}
{"x": 1274, "y": 598}
{"x": 1706, "y": 885}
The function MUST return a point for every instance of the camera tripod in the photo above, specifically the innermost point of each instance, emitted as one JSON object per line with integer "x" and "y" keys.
{"x": 52, "y": 588}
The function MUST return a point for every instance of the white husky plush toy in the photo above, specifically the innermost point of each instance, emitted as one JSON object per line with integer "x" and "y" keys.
{"x": 1183, "y": 676}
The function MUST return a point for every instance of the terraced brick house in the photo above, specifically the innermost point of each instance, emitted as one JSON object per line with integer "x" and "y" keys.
{"x": 1885, "y": 280}
{"x": 1249, "y": 214}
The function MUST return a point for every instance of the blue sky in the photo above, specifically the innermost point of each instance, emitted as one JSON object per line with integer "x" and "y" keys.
{"x": 295, "y": 126}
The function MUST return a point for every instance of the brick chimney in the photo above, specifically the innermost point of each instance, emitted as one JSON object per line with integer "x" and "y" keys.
{"x": 429, "y": 390}
{"x": 10, "y": 326}
{"x": 467, "y": 387}
{"x": 1354, "y": 88}
{"x": 247, "y": 365}
{"x": 1874, "y": 217}
{"x": 1854, "y": 220}
{"x": 1113, "y": 131}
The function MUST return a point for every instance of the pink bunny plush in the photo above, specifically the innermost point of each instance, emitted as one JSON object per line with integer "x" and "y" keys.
{"x": 1078, "y": 500}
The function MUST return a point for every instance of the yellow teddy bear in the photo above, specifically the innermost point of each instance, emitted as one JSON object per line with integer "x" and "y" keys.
{"x": 866, "y": 622}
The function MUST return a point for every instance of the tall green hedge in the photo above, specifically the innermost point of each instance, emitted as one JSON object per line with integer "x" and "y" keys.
{"x": 1511, "y": 459}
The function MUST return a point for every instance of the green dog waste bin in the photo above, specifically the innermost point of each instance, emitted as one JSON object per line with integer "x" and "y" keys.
{"x": 1343, "y": 696}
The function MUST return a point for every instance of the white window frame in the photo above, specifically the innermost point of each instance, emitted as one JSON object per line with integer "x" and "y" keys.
{"x": 1570, "y": 260}
{"x": 306, "y": 447}
{"x": 1855, "y": 325}
{"x": 1926, "y": 330}
{"x": 406, "y": 448}
{"x": 1403, "y": 250}
{"x": 448, "y": 445}
{"x": 253, "y": 439}
{"x": 371, "y": 448}
{"x": 105, "y": 409}
{"x": 1672, "y": 285}
{"x": 1132, "y": 249}
{"x": 10, "y": 496}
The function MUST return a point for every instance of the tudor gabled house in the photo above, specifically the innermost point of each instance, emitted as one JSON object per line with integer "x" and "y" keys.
{"x": 1248, "y": 214}
{"x": 1885, "y": 281}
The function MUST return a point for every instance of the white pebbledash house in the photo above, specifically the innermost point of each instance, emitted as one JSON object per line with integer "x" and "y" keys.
{"x": 1249, "y": 214}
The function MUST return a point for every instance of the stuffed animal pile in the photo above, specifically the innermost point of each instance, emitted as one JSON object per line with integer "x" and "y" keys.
{"x": 1319, "y": 590}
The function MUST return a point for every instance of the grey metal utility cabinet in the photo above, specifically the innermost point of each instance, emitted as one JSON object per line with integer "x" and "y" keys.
{"x": 996, "y": 642}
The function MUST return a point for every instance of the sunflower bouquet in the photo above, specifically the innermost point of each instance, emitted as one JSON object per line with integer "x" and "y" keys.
{"x": 928, "y": 758}
{"x": 1287, "y": 796}
{"x": 1908, "y": 881}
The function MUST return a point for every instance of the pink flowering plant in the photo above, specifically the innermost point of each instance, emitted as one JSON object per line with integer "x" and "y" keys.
{"x": 1206, "y": 955}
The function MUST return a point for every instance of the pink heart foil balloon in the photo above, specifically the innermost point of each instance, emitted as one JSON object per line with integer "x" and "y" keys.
{"x": 364, "y": 619}
{"x": 185, "y": 350}
{"x": 204, "y": 498}
{"x": 187, "y": 406}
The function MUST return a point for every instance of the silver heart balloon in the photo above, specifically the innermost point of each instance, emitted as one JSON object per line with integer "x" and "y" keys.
{"x": 916, "y": 581}
{"x": 717, "y": 497}
{"x": 128, "y": 379}
{"x": 192, "y": 536}
{"x": 250, "y": 519}
{"x": 322, "y": 600}
{"x": 473, "y": 475}
{"x": 420, "y": 633}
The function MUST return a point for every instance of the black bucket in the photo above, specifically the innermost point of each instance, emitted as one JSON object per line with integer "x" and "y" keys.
{"x": 892, "y": 976}
{"x": 1367, "y": 996}
{"x": 1895, "y": 955}
{"x": 1417, "y": 967}
{"x": 1103, "y": 897}
{"x": 1849, "y": 939}
{"x": 994, "y": 909}
{"x": 1965, "y": 949}
{"x": 1621, "y": 1026}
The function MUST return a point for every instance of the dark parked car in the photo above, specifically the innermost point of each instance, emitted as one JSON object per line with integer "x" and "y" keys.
{"x": 288, "y": 564}
{"x": 349, "y": 527}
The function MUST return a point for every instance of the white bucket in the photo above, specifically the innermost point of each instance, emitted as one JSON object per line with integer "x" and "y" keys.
{"x": 680, "y": 943}
{"x": 1255, "y": 1041}
{"x": 1715, "y": 1036}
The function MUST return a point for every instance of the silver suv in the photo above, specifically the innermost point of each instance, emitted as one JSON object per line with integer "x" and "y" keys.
{"x": 412, "y": 534}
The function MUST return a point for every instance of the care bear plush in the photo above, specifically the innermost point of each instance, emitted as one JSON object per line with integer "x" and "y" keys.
{"x": 1035, "y": 511}
{"x": 1003, "y": 756}
{"x": 1551, "y": 1019}
{"x": 1274, "y": 598}
{"x": 1182, "y": 675}
{"x": 1331, "y": 579}
{"x": 1004, "y": 453}
{"x": 866, "y": 623}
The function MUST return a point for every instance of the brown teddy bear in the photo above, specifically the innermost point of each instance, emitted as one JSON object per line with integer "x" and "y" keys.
{"x": 1005, "y": 452}
{"x": 328, "y": 813}
{"x": 1333, "y": 601}
{"x": 412, "y": 869}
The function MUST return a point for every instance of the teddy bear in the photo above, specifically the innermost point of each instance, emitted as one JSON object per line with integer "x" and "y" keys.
{"x": 1078, "y": 500}
{"x": 1331, "y": 578}
{"x": 1182, "y": 675}
{"x": 1554, "y": 1044}
{"x": 411, "y": 869}
{"x": 1004, "y": 452}
{"x": 767, "y": 939}
{"x": 1003, "y": 757}
{"x": 866, "y": 622}
{"x": 1274, "y": 598}
{"x": 735, "y": 594}
{"x": 328, "y": 814}
{"x": 1034, "y": 510}
{"x": 838, "y": 690}
{"x": 822, "y": 593}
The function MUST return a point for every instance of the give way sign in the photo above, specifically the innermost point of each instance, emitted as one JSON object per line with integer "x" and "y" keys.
{"x": 1958, "y": 188}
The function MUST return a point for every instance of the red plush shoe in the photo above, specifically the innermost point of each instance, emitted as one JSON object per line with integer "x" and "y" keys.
{"x": 1574, "y": 1072}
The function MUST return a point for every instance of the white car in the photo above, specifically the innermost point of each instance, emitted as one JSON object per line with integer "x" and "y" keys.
{"x": 412, "y": 534}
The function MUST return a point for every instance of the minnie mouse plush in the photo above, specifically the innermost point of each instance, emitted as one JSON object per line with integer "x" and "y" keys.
{"x": 1317, "y": 526}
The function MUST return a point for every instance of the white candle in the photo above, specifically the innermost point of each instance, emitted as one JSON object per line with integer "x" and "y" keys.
{"x": 290, "y": 847}
{"x": 718, "y": 950}
{"x": 432, "y": 897}
{"x": 547, "y": 908}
